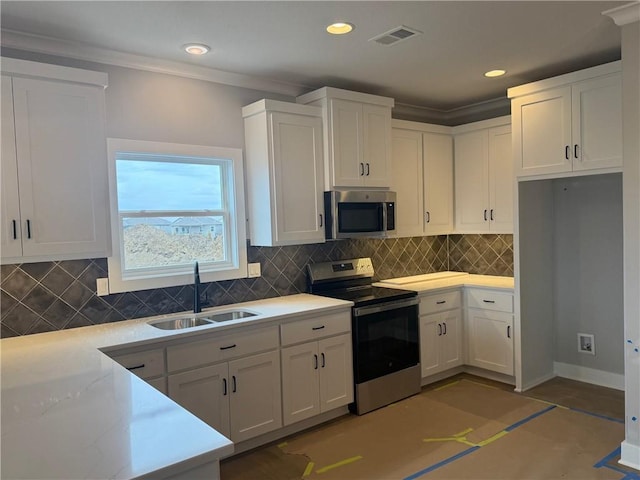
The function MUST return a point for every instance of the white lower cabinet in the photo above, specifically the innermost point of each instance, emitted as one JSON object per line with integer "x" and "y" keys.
{"x": 440, "y": 332}
{"x": 317, "y": 375}
{"x": 239, "y": 397}
{"x": 490, "y": 330}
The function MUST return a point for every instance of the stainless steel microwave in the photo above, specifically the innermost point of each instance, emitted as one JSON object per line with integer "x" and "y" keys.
{"x": 361, "y": 213}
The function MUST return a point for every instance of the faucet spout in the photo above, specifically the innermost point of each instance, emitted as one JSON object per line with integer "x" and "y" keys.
{"x": 197, "y": 308}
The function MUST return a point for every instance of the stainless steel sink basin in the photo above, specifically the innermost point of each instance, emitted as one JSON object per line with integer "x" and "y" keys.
{"x": 180, "y": 323}
{"x": 230, "y": 315}
{"x": 191, "y": 322}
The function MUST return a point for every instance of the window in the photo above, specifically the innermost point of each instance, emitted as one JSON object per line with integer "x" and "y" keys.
{"x": 173, "y": 205}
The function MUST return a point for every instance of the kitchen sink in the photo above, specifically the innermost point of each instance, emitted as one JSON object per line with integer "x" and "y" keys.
{"x": 180, "y": 323}
{"x": 191, "y": 322}
{"x": 230, "y": 315}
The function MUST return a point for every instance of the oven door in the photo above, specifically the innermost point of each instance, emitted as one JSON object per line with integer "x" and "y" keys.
{"x": 385, "y": 338}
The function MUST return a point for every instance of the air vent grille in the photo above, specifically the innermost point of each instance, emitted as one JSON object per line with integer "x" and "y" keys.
{"x": 396, "y": 35}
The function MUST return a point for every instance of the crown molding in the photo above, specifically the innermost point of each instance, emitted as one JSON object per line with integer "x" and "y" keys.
{"x": 77, "y": 51}
{"x": 456, "y": 116}
{"x": 625, "y": 14}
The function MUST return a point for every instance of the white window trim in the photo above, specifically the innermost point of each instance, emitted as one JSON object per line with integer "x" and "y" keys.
{"x": 237, "y": 215}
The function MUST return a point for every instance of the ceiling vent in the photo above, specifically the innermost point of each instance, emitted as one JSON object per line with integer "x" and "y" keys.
{"x": 397, "y": 35}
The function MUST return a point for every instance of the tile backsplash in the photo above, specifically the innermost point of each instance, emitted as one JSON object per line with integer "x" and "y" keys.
{"x": 47, "y": 296}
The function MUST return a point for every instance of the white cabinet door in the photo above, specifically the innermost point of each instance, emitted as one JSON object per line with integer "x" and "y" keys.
{"x": 205, "y": 393}
{"x": 347, "y": 164}
{"x": 430, "y": 332}
{"x": 451, "y": 339}
{"x": 298, "y": 176}
{"x": 407, "y": 182}
{"x": 10, "y": 229}
{"x": 256, "y": 405}
{"x": 62, "y": 168}
{"x": 490, "y": 340}
{"x": 597, "y": 123}
{"x": 300, "y": 382}
{"x": 336, "y": 372}
{"x": 440, "y": 342}
{"x": 542, "y": 132}
{"x": 438, "y": 183}
{"x": 472, "y": 182}
{"x": 376, "y": 145}
{"x": 501, "y": 180}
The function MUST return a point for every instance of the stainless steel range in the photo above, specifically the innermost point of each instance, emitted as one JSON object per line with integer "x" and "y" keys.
{"x": 386, "y": 352}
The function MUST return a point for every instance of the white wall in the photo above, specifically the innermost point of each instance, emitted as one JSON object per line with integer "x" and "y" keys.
{"x": 588, "y": 281}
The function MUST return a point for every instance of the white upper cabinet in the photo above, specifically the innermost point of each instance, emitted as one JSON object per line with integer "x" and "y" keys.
{"x": 54, "y": 155}
{"x": 484, "y": 177}
{"x": 423, "y": 178}
{"x": 284, "y": 173}
{"x": 357, "y": 137}
{"x": 568, "y": 124}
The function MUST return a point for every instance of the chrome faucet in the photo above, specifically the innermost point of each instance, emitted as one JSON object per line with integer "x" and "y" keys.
{"x": 197, "y": 308}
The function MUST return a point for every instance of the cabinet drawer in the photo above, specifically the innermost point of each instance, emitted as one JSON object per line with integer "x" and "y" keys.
{"x": 489, "y": 300}
{"x": 439, "y": 302}
{"x": 318, "y": 327}
{"x": 223, "y": 347}
{"x": 146, "y": 364}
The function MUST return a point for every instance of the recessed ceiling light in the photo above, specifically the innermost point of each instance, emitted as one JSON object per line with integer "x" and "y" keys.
{"x": 339, "y": 28}
{"x": 495, "y": 73}
{"x": 196, "y": 48}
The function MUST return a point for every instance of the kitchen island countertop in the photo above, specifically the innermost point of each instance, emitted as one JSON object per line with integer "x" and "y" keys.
{"x": 69, "y": 411}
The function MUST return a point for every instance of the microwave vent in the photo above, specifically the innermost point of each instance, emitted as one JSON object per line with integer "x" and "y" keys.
{"x": 396, "y": 35}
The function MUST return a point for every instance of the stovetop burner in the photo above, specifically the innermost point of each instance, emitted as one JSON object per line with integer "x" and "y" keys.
{"x": 351, "y": 280}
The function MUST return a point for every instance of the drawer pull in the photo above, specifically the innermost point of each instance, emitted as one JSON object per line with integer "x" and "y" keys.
{"x": 317, "y": 328}
{"x": 440, "y": 302}
{"x": 228, "y": 347}
{"x": 489, "y": 301}
{"x": 137, "y": 367}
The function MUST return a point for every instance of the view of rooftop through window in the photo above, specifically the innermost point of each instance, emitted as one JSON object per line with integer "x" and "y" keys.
{"x": 171, "y": 209}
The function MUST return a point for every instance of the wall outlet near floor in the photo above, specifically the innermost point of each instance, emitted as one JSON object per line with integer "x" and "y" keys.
{"x": 102, "y": 287}
{"x": 586, "y": 343}
{"x": 253, "y": 270}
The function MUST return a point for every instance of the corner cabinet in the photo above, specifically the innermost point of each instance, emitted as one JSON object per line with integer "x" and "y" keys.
{"x": 422, "y": 161}
{"x": 54, "y": 166}
{"x": 569, "y": 124}
{"x": 440, "y": 332}
{"x": 285, "y": 176}
{"x": 317, "y": 366}
{"x": 357, "y": 137}
{"x": 484, "y": 178}
{"x": 489, "y": 326}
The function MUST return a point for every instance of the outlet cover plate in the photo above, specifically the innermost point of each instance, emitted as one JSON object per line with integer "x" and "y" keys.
{"x": 253, "y": 270}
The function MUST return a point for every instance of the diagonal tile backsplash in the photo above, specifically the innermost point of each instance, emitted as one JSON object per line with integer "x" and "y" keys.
{"x": 47, "y": 296}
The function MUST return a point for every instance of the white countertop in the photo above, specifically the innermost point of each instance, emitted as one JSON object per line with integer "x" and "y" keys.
{"x": 69, "y": 411}
{"x": 441, "y": 280}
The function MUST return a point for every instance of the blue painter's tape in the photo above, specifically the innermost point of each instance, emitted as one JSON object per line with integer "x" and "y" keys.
{"x": 608, "y": 458}
{"x": 631, "y": 476}
{"x": 529, "y": 418}
{"x": 597, "y": 415}
{"x": 633, "y": 419}
{"x": 442, "y": 463}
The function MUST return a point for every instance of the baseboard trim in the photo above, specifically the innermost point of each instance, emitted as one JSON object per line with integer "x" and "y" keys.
{"x": 536, "y": 382}
{"x": 630, "y": 455}
{"x": 589, "y": 375}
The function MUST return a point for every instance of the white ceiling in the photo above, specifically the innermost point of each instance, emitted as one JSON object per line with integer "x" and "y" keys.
{"x": 285, "y": 42}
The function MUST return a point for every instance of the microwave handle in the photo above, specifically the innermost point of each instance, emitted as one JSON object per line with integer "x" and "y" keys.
{"x": 383, "y": 207}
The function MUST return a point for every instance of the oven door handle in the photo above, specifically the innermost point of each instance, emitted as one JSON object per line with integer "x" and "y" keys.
{"x": 383, "y": 307}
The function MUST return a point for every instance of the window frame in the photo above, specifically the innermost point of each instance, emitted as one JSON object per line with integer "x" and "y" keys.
{"x": 235, "y": 229}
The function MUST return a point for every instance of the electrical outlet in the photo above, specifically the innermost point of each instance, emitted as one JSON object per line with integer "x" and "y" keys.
{"x": 586, "y": 343}
{"x": 102, "y": 287}
{"x": 253, "y": 270}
